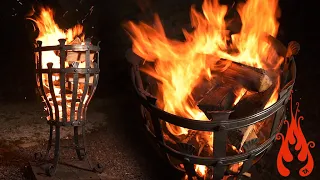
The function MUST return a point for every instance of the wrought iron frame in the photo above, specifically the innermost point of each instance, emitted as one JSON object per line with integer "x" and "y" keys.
{"x": 220, "y": 126}
{"x": 75, "y": 121}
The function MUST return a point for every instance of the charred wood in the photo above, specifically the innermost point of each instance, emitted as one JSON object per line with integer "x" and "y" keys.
{"x": 204, "y": 87}
{"x": 235, "y": 138}
{"x": 220, "y": 98}
{"x": 251, "y": 103}
{"x": 253, "y": 79}
{"x": 277, "y": 45}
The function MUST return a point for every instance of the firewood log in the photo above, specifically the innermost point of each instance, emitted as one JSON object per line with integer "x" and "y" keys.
{"x": 79, "y": 56}
{"x": 204, "y": 87}
{"x": 248, "y": 105}
{"x": 277, "y": 45}
{"x": 244, "y": 137}
{"x": 220, "y": 98}
{"x": 253, "y": 102}
{"x": 253, "y": 79}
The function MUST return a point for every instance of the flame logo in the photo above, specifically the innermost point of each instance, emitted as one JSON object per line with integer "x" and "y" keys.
{"x": 294, "y": 136}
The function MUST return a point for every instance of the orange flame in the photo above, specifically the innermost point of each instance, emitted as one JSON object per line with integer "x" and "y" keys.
{"x": 180, "y": 65}
{"x": 49, "y": 34}
{"x": 294, "y": 136}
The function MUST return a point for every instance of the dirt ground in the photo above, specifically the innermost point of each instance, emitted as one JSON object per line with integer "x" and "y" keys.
{"x": 115, "y": 139}
{"x": 24, "y": 131}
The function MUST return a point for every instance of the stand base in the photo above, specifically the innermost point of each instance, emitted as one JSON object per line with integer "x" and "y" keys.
{"x": 66, "y": 171}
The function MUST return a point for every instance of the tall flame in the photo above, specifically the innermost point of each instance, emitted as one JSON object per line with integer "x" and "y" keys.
{"x": 179, "y": 65}
{"x": 49, "y": 34}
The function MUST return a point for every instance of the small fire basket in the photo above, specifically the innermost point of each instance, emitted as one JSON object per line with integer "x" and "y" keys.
{"x": 227, "y": 160}
{"x": 67, "y": 77}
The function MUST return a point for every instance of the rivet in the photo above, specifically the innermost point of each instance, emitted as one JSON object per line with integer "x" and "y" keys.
{"x": 186, "y": 159}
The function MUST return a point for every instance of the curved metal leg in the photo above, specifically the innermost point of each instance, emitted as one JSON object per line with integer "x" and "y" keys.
{"x": 51, "y": 169}
{"x": 38, "y": 156}
{"x": 98, "y": 167}
{"x": 80, "y": 151}
{"x": 49, "y": 143}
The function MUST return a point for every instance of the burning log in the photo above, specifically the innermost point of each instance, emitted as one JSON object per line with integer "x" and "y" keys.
{"x": 220, "y": 98}
{"x": 74, "y": 56}
{"x": 253, "y": 79}
{"x": 204, "y": 87}
{"x": 249, "y": 104}
{"x": 78, "y": 57}
{"x": 244, "y": 137}
{"x": 277, "y": 45}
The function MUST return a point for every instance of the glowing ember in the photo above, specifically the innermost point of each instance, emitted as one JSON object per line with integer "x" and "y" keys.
{"x": 178, "y": 65}
{"x": 49, "y": 34}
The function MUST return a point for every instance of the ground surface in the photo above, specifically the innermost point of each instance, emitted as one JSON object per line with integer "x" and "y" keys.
{"x": 116, "y": 140}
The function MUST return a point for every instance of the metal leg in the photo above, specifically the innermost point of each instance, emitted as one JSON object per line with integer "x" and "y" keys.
{"x": 51, "y": 169}
{"x": 80, "y": 151}
{"x": 98, "y": 168}
{"x": 39, "y": 156}
{"x": 49, "y": 143}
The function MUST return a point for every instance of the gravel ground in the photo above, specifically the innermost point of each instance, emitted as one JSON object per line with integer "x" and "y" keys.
{"x": 111, "y": 139}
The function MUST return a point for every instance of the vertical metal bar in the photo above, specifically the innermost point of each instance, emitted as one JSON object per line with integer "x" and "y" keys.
{"x": 86, "y": 83}
{"x": 219, "y": 151}
{"x": 52, "y": 169}
{"x": 85, "y": 145}
{"x": 39, "y": 71}
{"x": 49, "y": 142}
{"x": 74, "y": 96}
{"x": 247, "y": 165}
{"x": 76, "y": 142}
{"x": 98, "y": 55}
{"x": 93, "y": 89}
{"x": 53, "y": 95}
{"x": 63, "y": 80}
{"x": 276, "y": 121}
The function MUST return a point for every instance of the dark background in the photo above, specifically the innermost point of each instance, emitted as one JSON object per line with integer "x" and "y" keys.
{"x": 298, "y": 22}
{"x": 104, "y": 23}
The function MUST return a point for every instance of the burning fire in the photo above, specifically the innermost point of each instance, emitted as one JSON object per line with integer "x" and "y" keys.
{"x": 178, "y": 65}
{"x": 49, "y": 34}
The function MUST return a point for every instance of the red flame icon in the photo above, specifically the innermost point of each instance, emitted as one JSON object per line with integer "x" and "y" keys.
{"x": 295, "y": 137}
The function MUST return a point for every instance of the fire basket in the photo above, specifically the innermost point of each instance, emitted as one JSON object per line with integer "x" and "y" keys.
{"x": 214, "y": 99}
{"x": 226, "y": 159}
{"x": 67, "y": 77}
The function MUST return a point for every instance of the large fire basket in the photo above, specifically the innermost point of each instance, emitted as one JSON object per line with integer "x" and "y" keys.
{"x": 223, "y": 160}
{"x": 67, "y": 81}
